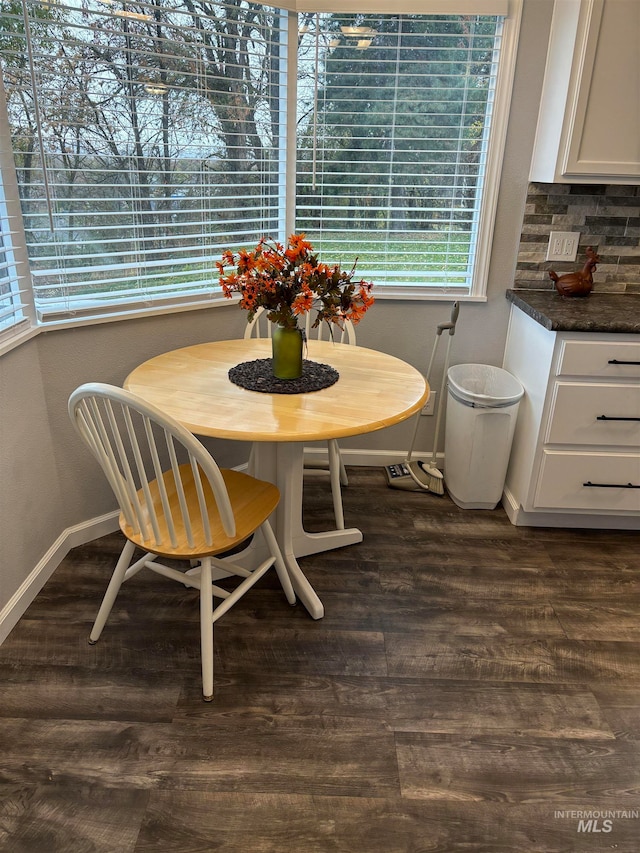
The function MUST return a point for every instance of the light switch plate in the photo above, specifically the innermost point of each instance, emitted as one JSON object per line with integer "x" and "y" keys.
{"x": 563, "y": 245}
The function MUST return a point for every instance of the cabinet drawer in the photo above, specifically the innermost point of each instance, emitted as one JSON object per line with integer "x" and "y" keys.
{"x": 563, "y": 476}
{"x": 606, "y": 359}
{"x": 577, "y": 408}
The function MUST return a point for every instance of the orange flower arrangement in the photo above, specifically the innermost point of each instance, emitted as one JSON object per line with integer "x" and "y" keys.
{"x": 289, "y": 282}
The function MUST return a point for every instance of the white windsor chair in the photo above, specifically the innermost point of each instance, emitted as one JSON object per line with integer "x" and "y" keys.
{"x": 184, "y": 507}
{"x": 261, "y": 327}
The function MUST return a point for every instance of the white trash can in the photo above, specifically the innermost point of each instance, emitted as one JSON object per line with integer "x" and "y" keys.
{"x": 482, "y": 407}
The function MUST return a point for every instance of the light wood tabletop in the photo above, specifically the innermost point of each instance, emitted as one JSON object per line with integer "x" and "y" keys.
{"x": 374, "y": 391}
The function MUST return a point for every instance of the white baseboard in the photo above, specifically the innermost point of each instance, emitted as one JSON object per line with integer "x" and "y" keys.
{"x": 366, "y": 458}
{"x": 70, "y": 538}
{"x": 521, "y": 518}
{"x": 510, "y": 506}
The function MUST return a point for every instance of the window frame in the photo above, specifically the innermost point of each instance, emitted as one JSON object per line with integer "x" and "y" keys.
{"x": 114, "y": 310}
{"x": 26, "y": 326}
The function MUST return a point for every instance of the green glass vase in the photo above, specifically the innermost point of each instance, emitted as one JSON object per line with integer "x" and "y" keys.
{"x": 286, "y": 346}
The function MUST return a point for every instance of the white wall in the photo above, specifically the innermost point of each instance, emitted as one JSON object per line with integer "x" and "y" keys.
{"x": 49, "y": 483}
{"x": 31, "y": 514}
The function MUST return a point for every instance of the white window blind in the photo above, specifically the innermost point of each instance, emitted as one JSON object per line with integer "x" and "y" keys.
{"x": 11, "y": 305}
{"x": 147, "y": 136}
{"x": 14, "y": 308}
{"x": 395, "y": 117}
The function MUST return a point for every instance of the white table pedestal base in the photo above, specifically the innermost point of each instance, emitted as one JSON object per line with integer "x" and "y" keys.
{"x": 281, "y": 463}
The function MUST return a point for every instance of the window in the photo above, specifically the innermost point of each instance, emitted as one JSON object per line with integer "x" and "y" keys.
{"x": 392, "y": 157}
{"x": 148, "y": 136}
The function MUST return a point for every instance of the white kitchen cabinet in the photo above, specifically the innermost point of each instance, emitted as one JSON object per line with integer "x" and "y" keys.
{"x": 575, "y": 460}
{"x": 589, "y": 119}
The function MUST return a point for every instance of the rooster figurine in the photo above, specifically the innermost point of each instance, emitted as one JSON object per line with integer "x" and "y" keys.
{"x": 577, "y": 283}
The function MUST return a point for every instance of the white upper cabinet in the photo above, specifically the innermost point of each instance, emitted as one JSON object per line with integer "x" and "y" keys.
{"x": 589, "y": 120}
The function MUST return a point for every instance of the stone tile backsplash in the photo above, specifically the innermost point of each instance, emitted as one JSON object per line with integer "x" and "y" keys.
{"x": 607, "y": 217}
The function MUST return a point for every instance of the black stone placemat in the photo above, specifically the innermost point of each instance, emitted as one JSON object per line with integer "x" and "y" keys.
{"x": 258, "y": 375}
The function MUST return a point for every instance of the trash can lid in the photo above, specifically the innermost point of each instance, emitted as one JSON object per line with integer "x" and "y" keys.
{"x": 484, "y": 385}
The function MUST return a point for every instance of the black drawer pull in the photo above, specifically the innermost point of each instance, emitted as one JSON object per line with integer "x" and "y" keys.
{"x": 610, "y": 418}
{"x": 610, "y": 485}
{"x": 615, "y": 361}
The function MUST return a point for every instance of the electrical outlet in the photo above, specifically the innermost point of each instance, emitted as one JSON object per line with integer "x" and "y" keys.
{"x": 563, "y": 245}
{"x": 430, "y": 406}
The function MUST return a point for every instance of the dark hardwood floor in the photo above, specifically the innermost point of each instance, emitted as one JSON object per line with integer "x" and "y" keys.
{"x": 473, "y": 687}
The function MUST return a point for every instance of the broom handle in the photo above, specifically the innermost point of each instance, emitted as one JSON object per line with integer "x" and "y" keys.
{"x": 415, "y": 429}
{"x": 451, "y": 328}
{"x": 440, "y": 406}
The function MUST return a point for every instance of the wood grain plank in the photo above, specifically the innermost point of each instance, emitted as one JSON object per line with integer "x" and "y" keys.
{"x": 399, "y": 612}
{"x": 125, "y": 645}
{"x": 451, "y": 551}
{"x": 514, "y": 582}
{"x": 582, "y": 774}
{"x": 519, "y": 580}
{"x": 514, "y": 709}
{"x": 591, "y": 551}
{"x": 291, "y": 824}
{"x": 614, "y": 619}
{"x": 400, "y": 704}
{"x": 65, "y": 692}
{"x": 174, "y": 647}
{"x": 182, "y": 757}
{"x": 513, "y": 659}
{"x": 310, "y": 649}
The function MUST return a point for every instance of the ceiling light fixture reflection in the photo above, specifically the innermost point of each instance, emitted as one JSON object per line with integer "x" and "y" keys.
{"x": 358, "y": 32}
{"x": 363, "y": 44}
{"x": 137, "y": 16}
{"x": 156, "y": 88}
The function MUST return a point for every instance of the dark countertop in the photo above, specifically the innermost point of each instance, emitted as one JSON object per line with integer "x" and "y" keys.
{"x": 598, "y": 312}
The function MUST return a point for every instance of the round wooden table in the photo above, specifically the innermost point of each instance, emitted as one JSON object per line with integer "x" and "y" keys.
{"x": 374, "y": 391}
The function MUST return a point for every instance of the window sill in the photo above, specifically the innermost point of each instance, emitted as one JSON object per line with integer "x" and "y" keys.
{"x": 11, "y": 339}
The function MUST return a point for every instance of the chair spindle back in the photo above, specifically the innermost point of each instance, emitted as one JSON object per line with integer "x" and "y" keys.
{"x": 140, "y": 450}
{"x": 344, "y": 333}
